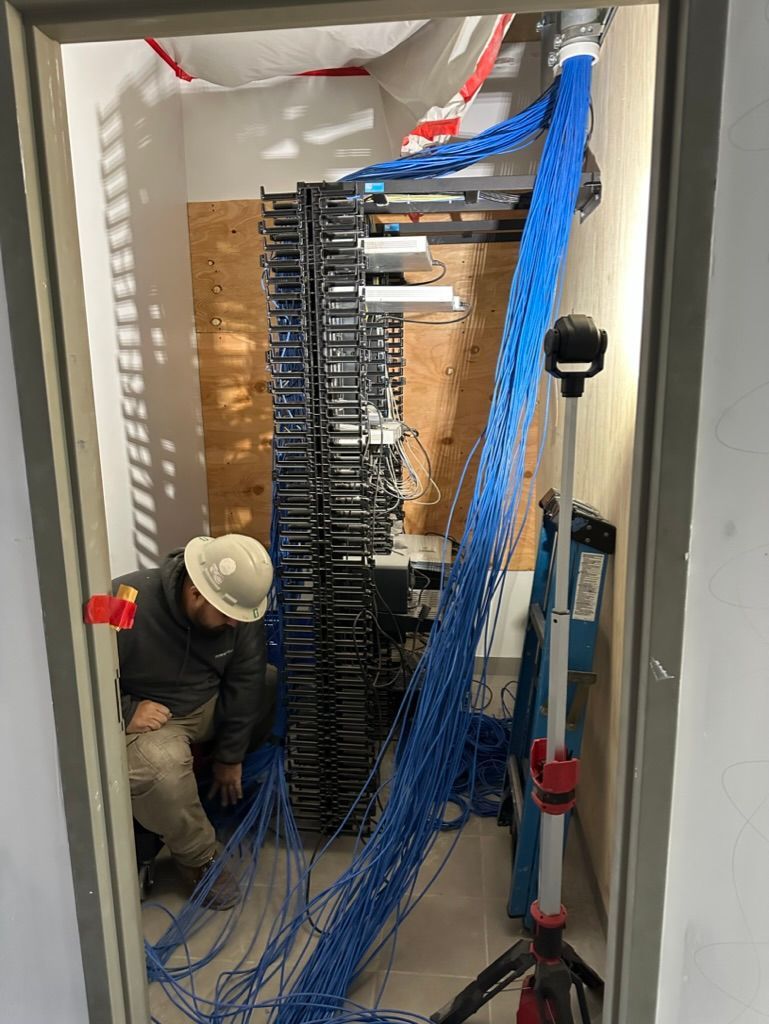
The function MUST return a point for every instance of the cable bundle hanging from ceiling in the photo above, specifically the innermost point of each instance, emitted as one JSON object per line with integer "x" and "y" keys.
{"x": 506, "y": 137}
{"x": 369, "y": 901}
{"x": 360, "y": 913}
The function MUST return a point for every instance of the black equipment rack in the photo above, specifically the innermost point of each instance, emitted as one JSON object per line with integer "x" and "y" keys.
{"x": 331, "y": 365}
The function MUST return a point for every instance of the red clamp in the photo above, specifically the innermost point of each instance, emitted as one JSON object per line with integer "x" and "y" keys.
{"x": 118, "y": 612}
{"x": 555, "y": 782}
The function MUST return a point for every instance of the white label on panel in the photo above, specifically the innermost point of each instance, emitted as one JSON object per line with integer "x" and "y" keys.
{"x": 588, "y": 587}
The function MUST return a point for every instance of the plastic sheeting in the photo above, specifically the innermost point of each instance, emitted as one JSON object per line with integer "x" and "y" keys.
{"x": 429, "y": 71}
{"x": 239, "y": 58}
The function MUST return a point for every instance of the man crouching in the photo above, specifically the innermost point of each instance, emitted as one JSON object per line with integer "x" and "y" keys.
{"x": 192, "y": 669}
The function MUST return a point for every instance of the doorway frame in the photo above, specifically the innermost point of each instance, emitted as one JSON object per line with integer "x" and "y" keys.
{"x": 38, "y": 234}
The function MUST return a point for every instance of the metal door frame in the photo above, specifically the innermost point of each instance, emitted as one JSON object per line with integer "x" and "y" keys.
{"x": 689, "y": 91}
{"x": 38, "y": 235}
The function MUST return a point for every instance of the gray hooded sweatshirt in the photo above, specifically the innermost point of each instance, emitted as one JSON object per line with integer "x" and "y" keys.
{"x": 165, "y": 658}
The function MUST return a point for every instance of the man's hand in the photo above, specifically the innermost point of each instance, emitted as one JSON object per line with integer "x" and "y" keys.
{"x": 227, "y": 783}
{"x": 148, "y": 717}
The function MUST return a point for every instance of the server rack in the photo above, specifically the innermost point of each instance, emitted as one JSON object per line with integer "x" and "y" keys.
{"x": 331, "y": 364}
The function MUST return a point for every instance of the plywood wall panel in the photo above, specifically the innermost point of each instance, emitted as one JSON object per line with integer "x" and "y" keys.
{"x": 225, "y": 248}
{"x": 450, "y": 379}
{"x": 237, "y": 424}
{"x": 449, "y": 371}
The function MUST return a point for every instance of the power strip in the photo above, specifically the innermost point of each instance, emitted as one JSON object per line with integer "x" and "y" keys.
{"x": 396, "y": 255}
{"x": 411, "y": 299}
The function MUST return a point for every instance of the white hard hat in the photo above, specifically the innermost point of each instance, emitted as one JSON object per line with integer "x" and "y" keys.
{"x": 233, "y": 573}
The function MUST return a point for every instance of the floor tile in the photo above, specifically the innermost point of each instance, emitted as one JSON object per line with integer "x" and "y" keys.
{"x": 488, "y": 826}
{"x": 167, "y": 1004}
{"x": 243, "y": 933}
{"x": 501, "y": 930}
{"x": 588, "y": 940}
{"x": 459, "y": 927}
{"x": 472, "y": 826}
{"x": 500, "y": 704}
{"x": 461, "y": 872}
{"x": 441, "y": 936}
{"x": 496, "y": 863}
{"x": 331, "y": 861}
{"x": 424, "y": 993}
{"x": 363, "y": 990}
{"x": 584, "y": 929}
{"x": 163, "y": 1010}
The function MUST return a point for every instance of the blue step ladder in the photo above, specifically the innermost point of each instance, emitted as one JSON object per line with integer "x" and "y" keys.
{"x": 592, "y": 543}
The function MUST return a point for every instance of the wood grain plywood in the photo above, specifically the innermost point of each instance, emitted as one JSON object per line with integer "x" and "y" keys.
{"x": 225, "y": 249}
{"x": 237, "y": 423}
{"x": 449, "y": 384}
{"x": 449, "y": 372}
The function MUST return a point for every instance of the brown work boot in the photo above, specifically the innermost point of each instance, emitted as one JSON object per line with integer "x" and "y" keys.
{"x": 224, "y": 892}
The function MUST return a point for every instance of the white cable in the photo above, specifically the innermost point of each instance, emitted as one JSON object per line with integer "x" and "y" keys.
{"x": 409, "y": 478}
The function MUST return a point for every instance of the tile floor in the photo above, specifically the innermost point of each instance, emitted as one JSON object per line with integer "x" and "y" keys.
{"x": 459, "y": 927}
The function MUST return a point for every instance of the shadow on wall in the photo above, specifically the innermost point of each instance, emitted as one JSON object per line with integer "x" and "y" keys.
{"x": 145, "y": 210}
{"x": 316, "y": 128}
{"x": 279, "y": 132}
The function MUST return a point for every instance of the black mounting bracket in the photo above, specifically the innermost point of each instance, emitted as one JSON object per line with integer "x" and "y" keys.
{"x": 419, "y": 206}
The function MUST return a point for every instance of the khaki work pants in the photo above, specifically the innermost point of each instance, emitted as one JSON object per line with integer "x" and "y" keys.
{"x": 164, "y": 790}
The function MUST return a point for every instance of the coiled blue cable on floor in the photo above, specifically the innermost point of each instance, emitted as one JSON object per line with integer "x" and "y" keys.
{"x": 478, "y": 786}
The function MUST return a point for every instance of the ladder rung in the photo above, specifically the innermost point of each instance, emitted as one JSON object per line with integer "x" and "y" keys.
{"x": 537, "y": 617}
{"x": 514, "y": 769}
{"x": 581, "y": 678}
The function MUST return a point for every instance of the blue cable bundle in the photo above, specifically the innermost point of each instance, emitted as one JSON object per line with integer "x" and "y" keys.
{"x": 506, "y": 137}
{"x": 265, "y": 799}
{"x": 270, "y": 810}
{"x": 478, "y": 786}
{"x": 366, "y": 905}
{"x": 359, "y": 914}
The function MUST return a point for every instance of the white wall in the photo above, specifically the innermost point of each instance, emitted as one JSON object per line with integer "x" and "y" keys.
{"x": 311, "y": 129}
{"x": 715, "y": 953}
{"x": 128, "y": 156}
{"x": 279, "y": 132}
{"x": 510, "y": 609}
{"x": 143, "y": 145}
{"x": 41, "y": 973}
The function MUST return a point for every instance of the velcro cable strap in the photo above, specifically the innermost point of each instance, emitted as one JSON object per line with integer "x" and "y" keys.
{"x": 554, "y": 782}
